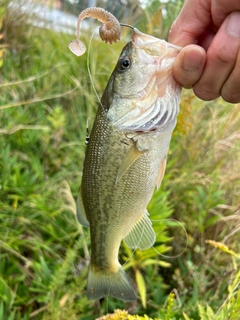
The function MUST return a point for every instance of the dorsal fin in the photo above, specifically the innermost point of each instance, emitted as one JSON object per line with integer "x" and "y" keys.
{"x": 81, "y": 214}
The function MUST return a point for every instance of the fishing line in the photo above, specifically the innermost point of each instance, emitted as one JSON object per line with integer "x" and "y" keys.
{"x": 163, "y": 255}
{"x": 134, "y": 250}
{"x": 127, "y": 25}
{"x": 185, "y": 231}
{"x": 132, "y": 254}
{"x": 88, "y": 61}
{"x": 107, "y": 304}
{"x": 88, "y": 68}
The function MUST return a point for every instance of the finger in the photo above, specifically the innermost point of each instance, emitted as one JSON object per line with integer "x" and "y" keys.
{"x": 221, "y": 58}
{"x": 231, "y": 89}
{"x": 188, "y": 65}
{"x": 206, "y": 39}
{"x": 221, "y": 9}
{"x": 191, "y": 23}
{"x": 195, "y": 18}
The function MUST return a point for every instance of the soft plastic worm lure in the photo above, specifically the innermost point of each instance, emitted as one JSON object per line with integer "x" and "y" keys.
{"x": 110, "y": 30}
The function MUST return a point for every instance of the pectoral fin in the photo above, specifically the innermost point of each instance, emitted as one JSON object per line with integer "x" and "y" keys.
{"x": 161, "y": 172}
{"x": 132, "y": 155}
{"x": 81, "y": 215}
{"x": 142, "y": 235}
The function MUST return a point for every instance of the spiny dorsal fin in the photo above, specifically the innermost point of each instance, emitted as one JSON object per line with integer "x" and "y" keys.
{"x": 81, "y": 215}
{"x": 142, "y": 235}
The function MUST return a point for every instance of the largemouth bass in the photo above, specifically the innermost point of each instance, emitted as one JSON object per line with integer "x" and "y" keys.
{"x": 126, "y": 158}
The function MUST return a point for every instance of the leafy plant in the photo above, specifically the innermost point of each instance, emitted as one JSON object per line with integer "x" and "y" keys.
{"x": 46, "y": 98}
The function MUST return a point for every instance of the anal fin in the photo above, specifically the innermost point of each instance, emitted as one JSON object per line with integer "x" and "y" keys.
{"x": 141, "y": 235}
{"x": 81, "y": 215}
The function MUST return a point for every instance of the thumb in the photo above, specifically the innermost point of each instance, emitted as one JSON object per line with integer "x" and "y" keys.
{"x": 188, "y": 65}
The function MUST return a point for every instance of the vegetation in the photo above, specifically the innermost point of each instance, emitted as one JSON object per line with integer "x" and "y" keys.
{"x": 46, "y": 98}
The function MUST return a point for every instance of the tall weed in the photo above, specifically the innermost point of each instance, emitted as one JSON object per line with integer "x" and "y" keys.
{"x": 46, "y": 98}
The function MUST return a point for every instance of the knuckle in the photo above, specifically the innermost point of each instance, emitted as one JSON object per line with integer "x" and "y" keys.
{"x": 222, "y": 55}
{"x": 230, "y": 91}
{"x": 205, "y": 92}
{"x": 231, "y": 96}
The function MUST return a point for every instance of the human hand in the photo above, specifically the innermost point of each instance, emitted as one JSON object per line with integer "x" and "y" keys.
{"x": 209, "y": 63}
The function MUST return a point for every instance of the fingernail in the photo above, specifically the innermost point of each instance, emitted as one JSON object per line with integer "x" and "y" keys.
{"x": 192, "y": 62}
{"x": 233, "y": 25}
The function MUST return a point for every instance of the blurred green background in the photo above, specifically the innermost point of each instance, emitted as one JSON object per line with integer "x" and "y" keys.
{"x": 46, "y": 98}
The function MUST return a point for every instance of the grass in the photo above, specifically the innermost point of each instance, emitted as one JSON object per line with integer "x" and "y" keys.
{"x": 45, "y": 100}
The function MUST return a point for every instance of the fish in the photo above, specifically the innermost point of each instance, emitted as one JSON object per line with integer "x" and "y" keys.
{"x": 125, "y": 159}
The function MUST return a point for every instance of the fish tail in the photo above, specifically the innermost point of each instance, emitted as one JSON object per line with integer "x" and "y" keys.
{"x": 115, "y": 284}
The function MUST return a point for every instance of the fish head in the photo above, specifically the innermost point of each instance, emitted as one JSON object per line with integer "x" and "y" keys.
{"x": 144, "y": 95}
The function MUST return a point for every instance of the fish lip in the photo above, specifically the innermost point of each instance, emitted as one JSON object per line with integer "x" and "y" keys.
{"x": 142, "y": 40}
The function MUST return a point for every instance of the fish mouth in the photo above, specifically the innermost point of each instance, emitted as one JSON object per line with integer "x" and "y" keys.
{"x": 151, "y": 45}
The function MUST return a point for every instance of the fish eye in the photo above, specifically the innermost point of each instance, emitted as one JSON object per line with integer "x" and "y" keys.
{"x": 124, "y": 64}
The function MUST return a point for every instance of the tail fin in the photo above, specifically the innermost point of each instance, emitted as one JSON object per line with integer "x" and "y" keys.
{"x": 101, "y": 284}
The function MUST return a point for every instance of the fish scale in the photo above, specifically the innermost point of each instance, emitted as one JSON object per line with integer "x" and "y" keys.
{"x": 122, "y": 166}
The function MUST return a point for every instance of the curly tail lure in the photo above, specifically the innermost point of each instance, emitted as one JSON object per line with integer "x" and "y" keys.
{"x": 110, "y": 30}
